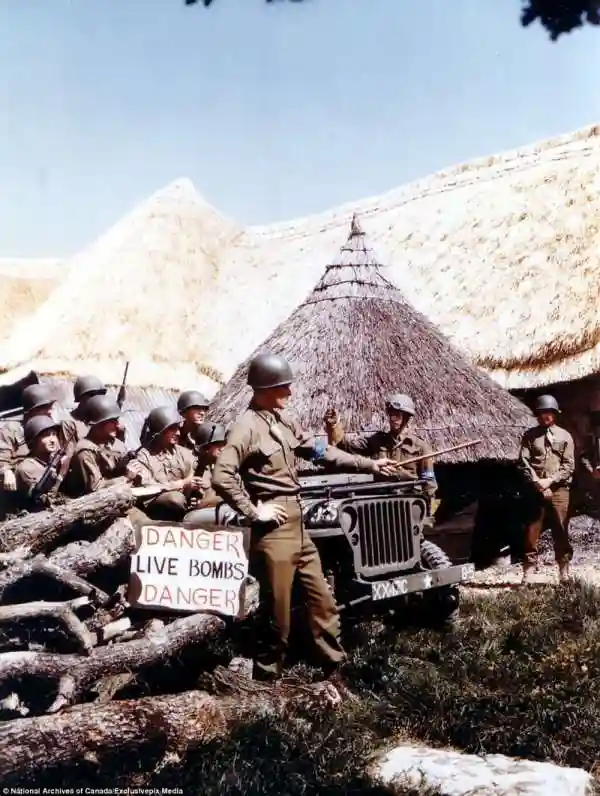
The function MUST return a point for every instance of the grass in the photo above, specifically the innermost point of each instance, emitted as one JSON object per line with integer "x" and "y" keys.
{"x": 517, "y": 675}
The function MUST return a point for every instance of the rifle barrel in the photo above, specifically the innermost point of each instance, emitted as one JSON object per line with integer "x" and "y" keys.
{"x": 441, "y": 452}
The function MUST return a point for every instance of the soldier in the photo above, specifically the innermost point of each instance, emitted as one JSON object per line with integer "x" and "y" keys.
{"x": 210, "y": 438}
{"x": 85, "y": 387}
{"x": 397, "y": 443}
{"x": 37, "y": 400}
{"x": 256, "y": 475}
{"x": 590, "y": 459}
{"x": 192, "y": 407}
{"x": 100, "y": 459}
{"x": 547, "y": 460}
{"x": 161, "y": 460}
{"x": 38, "y": 477}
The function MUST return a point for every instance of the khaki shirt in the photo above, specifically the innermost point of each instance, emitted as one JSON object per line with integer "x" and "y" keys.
{"x": 258, "y": 460}
{"x": 547, "y": 453}
{"x": 207, "y": 497}
{"x": 12, "y": 442}
{"x": 81, "y": 427}
{"x": 186, "y": 440}
{"x": 384, "y": 443}
{"x": 28, "y": 474}
{"x": 95, "y": 467}
{"x": 164, "y": 466}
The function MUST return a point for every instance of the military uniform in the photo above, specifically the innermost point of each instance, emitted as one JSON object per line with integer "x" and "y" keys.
{"x": 548, "y": 453}
{"x": 28, "y": 475}
{"x": 258, "y": 464}
{"x": 13, "y": 448}
{"x": 36, "y": 464}
{"x": 96, "y": 466}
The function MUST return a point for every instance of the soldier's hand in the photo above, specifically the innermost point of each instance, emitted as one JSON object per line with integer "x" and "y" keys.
{"x": 330, "y": 418}
{"x": 385, "y": 466}
{"x": 271, "y": 512}
{"x": 547, "y": 493}
{"x": 133, "y": 474}
{"x": 10, "y": 482}
{"x": 544, "y": 483}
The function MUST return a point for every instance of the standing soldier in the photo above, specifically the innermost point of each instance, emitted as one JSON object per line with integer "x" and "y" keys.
{"x": 100, "y": 459}
{"x": 547, "y": 460}
{"x": 590, "y": 460}
{"x": 85, "y": 387}
{"x": 163, "y": 461}
{"x": 38, "y": 477}
{"x": 256, "y": 475}
{"x": 192, "y": 407}
{"x": 396, "y": 444}
{"x": 37, "y": 400}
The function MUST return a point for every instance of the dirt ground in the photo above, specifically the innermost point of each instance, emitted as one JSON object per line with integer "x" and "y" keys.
{"x": 585, "y": 538}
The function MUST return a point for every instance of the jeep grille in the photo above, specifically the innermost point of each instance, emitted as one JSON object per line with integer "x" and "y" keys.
{"x": 382, "y": 533}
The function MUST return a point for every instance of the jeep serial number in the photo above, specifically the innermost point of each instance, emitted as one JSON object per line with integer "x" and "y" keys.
{"x": 390, "y": 588}
{"x": 467, "y": 571}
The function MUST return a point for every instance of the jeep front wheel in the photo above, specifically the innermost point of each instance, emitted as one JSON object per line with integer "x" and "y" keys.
{"x": 441, "y": 604}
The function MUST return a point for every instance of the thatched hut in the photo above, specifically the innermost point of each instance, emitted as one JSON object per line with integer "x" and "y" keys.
{"x": 137, "y": 294}
{"x": 24, "y": 286}
{"x": 355, "y": 339}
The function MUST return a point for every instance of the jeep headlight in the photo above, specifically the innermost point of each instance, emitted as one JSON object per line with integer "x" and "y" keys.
{"x": 323, "y": 514}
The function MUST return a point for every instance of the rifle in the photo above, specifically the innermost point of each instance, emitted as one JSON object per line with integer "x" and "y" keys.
{"x": 122, "y": 394}
{"x": 15, "y": 412}
{"x": 440, "y": 452}
{"x": 48, "y": 478}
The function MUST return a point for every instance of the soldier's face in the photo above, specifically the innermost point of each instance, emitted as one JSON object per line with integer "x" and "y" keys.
{"x": 546, "y": 419}
{"x": 397, "y": 419}
{"x": 213, "y": 451}
{"x": 274, "y": 397}
{"x": 195, "y": 415}
{"x": 170, "y": 436}
{"x": 108, "y": 430}
{"x": 47, "y": 442}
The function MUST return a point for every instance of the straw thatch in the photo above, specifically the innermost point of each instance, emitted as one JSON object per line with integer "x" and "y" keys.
{"x": 355, "y": 339}
{"x": 138, "y": 294}
{"x": 500, "y": 253}
{"x": 24, "y": 286}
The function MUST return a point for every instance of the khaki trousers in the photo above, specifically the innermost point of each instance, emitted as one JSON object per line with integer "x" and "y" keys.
{"x": 167, "y": 507}
{"x": 277, "y": 555}
{"x": 551, "y": 513}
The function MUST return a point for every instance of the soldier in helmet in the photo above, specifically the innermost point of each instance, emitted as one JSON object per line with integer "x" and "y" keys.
{"x": 192, "y": 407}
{"x": 547, "y": 460}
{"x": 256, "y": 475}
{"x": 85, "y": 387}
{"x": 101, "y": 459}
{"x": 37, "y": 400}
{"x": 42, "y": 438}
{"x": 162, "y": 460}
{"x": 398, "y": 443}
{"x": 210, "y": 438}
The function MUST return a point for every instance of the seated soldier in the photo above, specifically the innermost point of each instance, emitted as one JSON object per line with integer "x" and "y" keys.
{"x": 40, "y": 475}
{"x": 192, "y": 407}
{"x": 210, "y": 438}
{"x": 161, "y": 460}
{"x": 85, "y": 387}
{"x": 397, "y": 443}
{"x": 100, "y": 459}
{"x": 37, "y": 400}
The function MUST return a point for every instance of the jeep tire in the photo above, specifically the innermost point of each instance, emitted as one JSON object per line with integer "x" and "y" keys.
{"x": 441, "y": 604}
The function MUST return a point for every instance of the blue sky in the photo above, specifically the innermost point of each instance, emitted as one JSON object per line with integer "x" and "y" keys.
{"x": 272, "y": 110}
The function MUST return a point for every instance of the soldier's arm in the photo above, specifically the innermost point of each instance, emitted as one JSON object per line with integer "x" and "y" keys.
{"x": 567, "y": 464}
{"x": 226, "y": 480}
{"x": 7, "y": 450}
{"x": 426, "y": 470}
{"x": 91, "y": 476}
{"x": 316, "y": 450}
{"x": 524, "y": 460}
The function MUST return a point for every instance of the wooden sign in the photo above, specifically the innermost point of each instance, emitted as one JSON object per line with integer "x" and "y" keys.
{"x": 181, "y": 569}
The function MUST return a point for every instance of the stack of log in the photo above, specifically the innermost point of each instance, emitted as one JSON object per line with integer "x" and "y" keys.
{"x": 82, "y": 672}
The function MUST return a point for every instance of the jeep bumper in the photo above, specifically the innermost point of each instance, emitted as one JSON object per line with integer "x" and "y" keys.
{"x": 421, "y": 581}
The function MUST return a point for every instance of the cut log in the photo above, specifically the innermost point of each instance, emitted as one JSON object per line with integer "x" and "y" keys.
{"x": 110, "y": 549}
{"x": 61, "y": 613}
{"x": 179, "y": 722}
{"x": 76, "y": 675}
{"x": 20, "y": 569}
{"x": 38, "y": 531}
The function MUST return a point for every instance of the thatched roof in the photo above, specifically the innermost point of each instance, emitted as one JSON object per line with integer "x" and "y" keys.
{"x": 500, "y": 253}
{"x": 138, "y": 293}
{"x": 24, "y": 285}
{"x": 355, "y": 339}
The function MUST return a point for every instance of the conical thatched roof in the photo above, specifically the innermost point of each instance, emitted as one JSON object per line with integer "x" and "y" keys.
{"x": 24, "y": 286}
{"x": 500, "y": 253}
{"x": 138, "y": 293}
{"x": 355, "y": 339}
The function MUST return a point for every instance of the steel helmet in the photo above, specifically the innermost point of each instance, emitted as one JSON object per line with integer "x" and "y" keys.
{"x": 37, "y": 395}
{"x": 36, "y": 426}
{"x": 162, "y": 418}
{"x": 401, "y": 403}
{"x": 100, "y": 409}
{"x": 546, "y": 403}
{"x": 210, "y": 434}
{"x": 86, "y": 386}
{"x": 191, "y": 398}
{"x": 269, "y": 370}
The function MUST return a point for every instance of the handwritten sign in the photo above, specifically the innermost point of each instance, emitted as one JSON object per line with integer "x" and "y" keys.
{"x": 188, "y": 569}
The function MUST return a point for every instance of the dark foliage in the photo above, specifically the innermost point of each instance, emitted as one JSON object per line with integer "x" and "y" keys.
{"x": 517, "y": 675}
{"x": 556, "y": 16}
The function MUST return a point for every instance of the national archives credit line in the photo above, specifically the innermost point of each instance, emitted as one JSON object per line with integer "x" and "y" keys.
{"x": 92, "y": 792}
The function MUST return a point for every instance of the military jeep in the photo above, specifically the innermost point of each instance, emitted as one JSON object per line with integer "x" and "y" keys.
{"x": 370, "y": 536}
